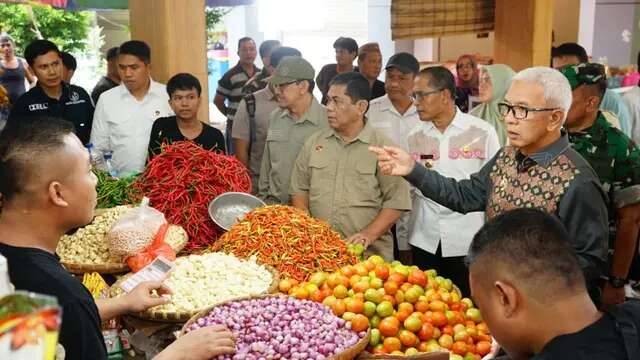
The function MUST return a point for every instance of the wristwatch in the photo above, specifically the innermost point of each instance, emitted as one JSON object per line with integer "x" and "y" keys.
{"x": 617, "y": 282}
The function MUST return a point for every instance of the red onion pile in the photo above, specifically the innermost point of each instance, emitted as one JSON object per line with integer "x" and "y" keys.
{"x": 282, "y": 328}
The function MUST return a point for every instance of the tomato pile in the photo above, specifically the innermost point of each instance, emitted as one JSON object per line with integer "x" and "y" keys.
{"x": 408, "y": 310}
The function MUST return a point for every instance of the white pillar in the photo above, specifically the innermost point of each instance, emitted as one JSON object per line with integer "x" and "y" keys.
{"x": 586, "y": 24}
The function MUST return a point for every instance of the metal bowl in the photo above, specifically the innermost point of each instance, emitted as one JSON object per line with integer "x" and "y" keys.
{"x": 229, "y": 208}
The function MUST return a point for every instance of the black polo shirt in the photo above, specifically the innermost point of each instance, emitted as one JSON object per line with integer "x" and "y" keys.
{"x": 38, "y": 271}
{"x": 75, "y": 105}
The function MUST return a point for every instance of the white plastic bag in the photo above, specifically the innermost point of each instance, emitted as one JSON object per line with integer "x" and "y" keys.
{"x": 135, "y": 230}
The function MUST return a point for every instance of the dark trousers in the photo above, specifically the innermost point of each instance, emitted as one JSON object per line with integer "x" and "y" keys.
{"x": 452, "y": 268}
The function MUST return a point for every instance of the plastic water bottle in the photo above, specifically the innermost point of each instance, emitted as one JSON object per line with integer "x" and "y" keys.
{"x": 94, "y": 157}
{"x": 108, "y": 164}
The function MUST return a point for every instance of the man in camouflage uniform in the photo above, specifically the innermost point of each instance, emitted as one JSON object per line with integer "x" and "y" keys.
{"x": 616, "y": 160}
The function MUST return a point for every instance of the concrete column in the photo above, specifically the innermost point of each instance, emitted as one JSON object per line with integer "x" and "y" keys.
{"x": 523, "y": 33}
{"x": 176, "y": 32}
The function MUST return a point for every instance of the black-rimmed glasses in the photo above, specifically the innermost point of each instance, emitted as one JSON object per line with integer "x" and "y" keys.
{"x": 418, "y": 95}
{"x": 519, "y": 112}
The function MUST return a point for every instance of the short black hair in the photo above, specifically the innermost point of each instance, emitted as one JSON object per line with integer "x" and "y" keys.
{"x": 357, "y": 85}
{"x": 281, "y": 52}
{"x": 244, "y": 39}
{"x": 69, "y": 61}
{"x": 38, "y": 48}
{"x": 136, "y": 48}
{"x": 346, "y": 43}
{"x": 531, "y": 244}
{"x": 440, "y": 78}
{"x": 112, "y": 53}
{"x": 22, "y": 141}
{"x": 570, "y": 49}
{"x": 267, "y": 47}
{"x": 183, "y": 81}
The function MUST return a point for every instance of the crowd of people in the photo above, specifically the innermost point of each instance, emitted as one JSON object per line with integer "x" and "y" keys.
{"x": 523, "y": 188}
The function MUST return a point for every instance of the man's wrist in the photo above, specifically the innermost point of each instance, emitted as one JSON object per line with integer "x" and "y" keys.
{"x": 617, "y": 282}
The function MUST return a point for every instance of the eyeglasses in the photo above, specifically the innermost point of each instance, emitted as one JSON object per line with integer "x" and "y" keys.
{"x": 418, "y": 95}
{"x": 519, "y": 112}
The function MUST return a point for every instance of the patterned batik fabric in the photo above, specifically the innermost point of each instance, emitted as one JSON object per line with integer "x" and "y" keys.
{"x": 536, "y": 187}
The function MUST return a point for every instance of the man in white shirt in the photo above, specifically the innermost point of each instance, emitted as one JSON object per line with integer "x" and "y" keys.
{"x": 459, "y": 145}
{"x": 125, "y": 114}
{"x": 395, "y": 116}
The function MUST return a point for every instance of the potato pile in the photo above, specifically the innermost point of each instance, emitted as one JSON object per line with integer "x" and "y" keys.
{"x": 88, "y": 245}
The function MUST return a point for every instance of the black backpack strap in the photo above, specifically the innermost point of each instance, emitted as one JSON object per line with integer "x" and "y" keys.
{"x": 627, "y": 327}
{"x": 251, "y": 110}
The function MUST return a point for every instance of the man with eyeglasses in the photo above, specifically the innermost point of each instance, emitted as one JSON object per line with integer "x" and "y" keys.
{"x": 299, "y": 116}
{"x": 539, "y": 169}
{"x": 335, "y": 176}
{"x": 616, "y": 160}
{"x": 458, "y": 145}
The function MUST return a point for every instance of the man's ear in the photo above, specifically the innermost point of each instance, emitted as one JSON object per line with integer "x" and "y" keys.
{"x": 557, "y": 117}
{"x": 363, "y": 106}
{"x": 56, "y": 194}
{"x": 508, "y": 297}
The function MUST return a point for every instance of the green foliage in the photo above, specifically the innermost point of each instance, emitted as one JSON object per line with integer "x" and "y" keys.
{"x": 213, "y": 16}
{"x": 26, "y": 23}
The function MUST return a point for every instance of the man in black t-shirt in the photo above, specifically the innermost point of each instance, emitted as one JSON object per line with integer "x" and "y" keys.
{"x": 526, "y": 280}
{"x": 46, "y": 189}
{"x": 52, "y": 96}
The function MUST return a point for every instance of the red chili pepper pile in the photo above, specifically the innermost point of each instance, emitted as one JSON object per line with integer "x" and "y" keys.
{"x": 289, "y": 240}
{"x": 183, "y": 179}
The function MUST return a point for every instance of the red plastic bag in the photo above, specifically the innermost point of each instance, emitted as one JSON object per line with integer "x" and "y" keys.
{"x": 151, "y": 252}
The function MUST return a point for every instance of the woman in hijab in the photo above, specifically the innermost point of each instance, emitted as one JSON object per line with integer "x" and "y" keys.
{"x": 467, "y": 83}
{"x": 494, "y": 83}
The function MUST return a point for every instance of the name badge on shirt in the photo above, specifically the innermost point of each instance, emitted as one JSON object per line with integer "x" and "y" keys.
{"x": 276, "y": 135}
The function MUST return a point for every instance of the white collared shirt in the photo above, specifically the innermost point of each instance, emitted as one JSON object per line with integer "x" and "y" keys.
{"x": 463, "y": 149}
{"x": 384, "y": 117}
{"x": 123, "y": 124}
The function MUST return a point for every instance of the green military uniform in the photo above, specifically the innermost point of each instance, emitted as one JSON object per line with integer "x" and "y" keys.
{"x": 286, "y": 133}
{"x": 612, "y": 154}
{"x": 345, "y": 187}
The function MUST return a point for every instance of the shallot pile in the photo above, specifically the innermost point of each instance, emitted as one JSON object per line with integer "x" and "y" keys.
{"x": 281, "y": 327}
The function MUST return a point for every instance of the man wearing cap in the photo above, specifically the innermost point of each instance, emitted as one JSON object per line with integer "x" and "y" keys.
{"x": 395, "y": 116}
{"x": 299, "y": 116}
{"x": 335, "y": 176}
{"x": 616, "y": 161}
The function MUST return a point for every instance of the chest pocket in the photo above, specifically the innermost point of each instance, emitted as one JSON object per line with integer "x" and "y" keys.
{"x": 362, "y": 186}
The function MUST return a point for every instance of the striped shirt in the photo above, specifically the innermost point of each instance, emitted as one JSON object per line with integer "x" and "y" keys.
{"x": 230, "y": 86}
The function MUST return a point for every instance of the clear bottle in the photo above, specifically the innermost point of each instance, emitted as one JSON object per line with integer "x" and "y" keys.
{"x": 108, "y": 163}
{"x": 94, "y": 156}
{"x": 6, "y": 287}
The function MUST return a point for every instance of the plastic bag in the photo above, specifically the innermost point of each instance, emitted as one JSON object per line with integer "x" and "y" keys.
{"x": 147, "y": 255}
{"x": 135, "y": 230}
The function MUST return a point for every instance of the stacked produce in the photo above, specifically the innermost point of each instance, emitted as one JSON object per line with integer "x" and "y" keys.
{"x": 88, "y": 245}
{"x": 408, "y": 310}
{"x": 287, "y": 239}
{"x": 282, "y": 327}
{"x": 183, "y": 179}
{"x": 199, "y": 281}
{"x": 113, "y": 192}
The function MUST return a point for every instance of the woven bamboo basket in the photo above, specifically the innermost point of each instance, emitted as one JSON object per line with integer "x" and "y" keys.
{"x": 435, "y": 355}
{"x": 180, "y": 241}
{"x": 181, "y": 316}
{"x": 348, "y": 354}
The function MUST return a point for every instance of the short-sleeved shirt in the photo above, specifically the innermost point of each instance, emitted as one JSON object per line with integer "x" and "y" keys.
{"x": 38, "y": 271}
{"x": 256, "y": 83}
{"x": 343, "y": 183}
{"x": 616, "y": 161}
{"x": 74, "y": 105}
{"x": 122, "y": 124}
{"x": 265, "y": 105}
{"x": 285, "y": 138}
{"x": 230, "y": 87}
{"x": 166, "y": 131}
